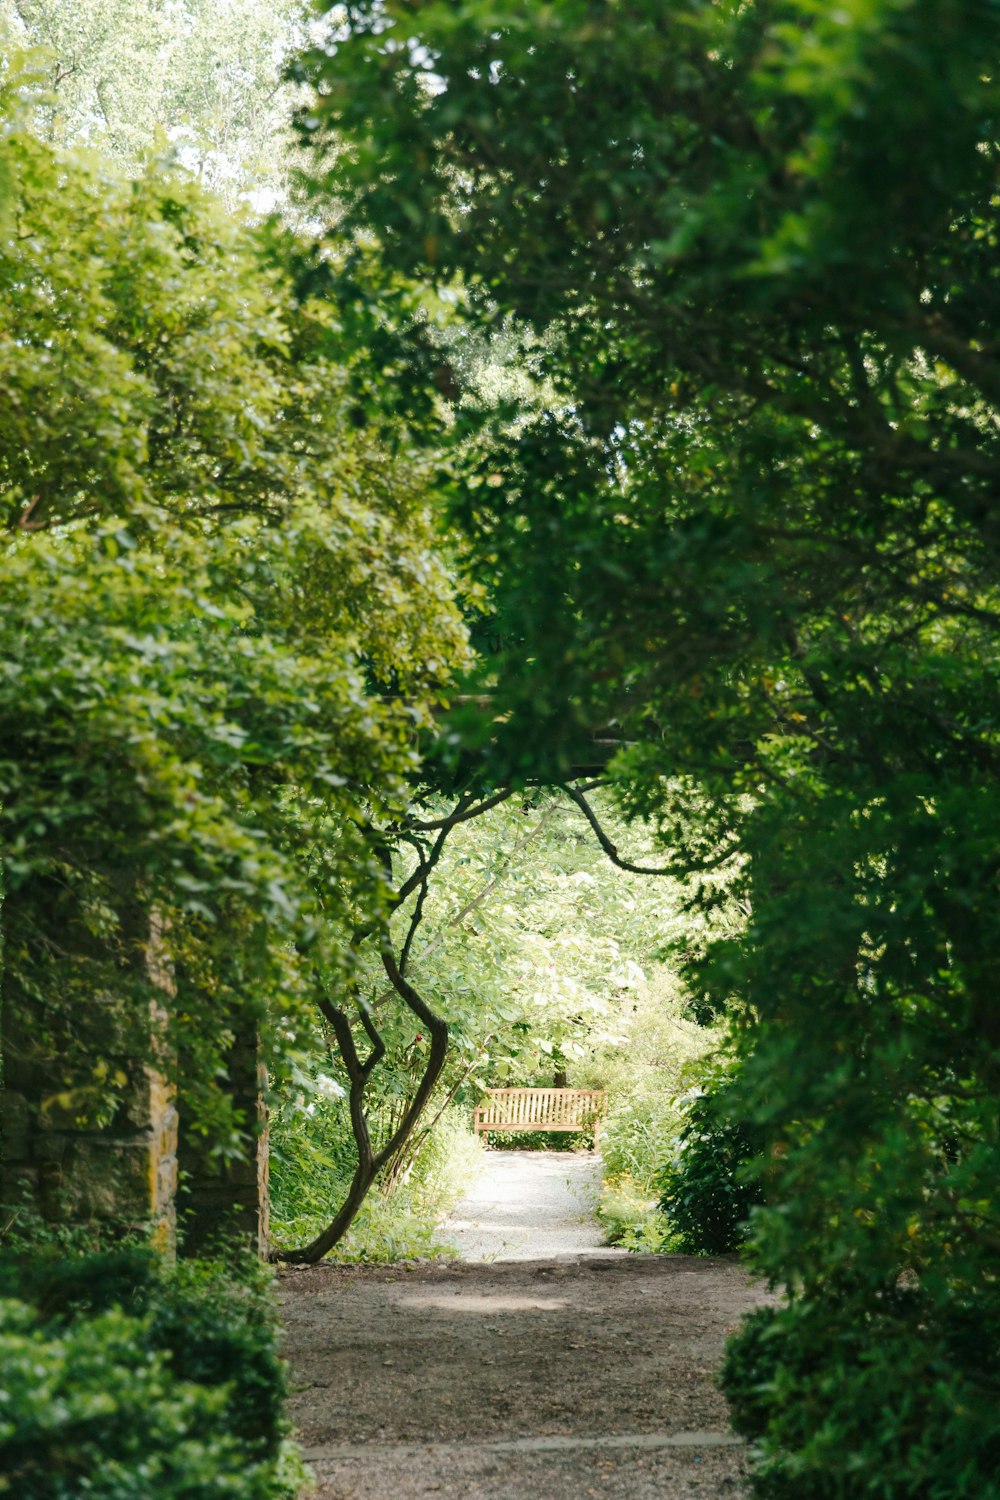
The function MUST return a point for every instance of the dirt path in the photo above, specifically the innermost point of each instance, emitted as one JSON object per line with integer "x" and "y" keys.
{"x": 517, "y": 1379}
{"x": 528, "y": 1205}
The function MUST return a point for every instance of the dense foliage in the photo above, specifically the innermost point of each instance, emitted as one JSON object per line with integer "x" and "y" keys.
{"x": 122, "y": 1377}
{"x": 712, "y": 1182}
{"x": 225, "y": 617}
{"x": 899, "y": 1383}
{"x": 203, "y": 77}
{"x": 732, "y": 516}
{"x": 752, "y": 252}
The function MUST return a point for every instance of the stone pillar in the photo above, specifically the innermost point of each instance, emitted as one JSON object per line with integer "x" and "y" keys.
{"x": 228, "y": 1201}
{"x": 120, "y": 1177}
{"x": 79, "y": 1147}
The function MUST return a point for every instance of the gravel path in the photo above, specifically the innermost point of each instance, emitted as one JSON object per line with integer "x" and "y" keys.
{"x": 530, "y": 1205}
{"x": 583, "y": 1374}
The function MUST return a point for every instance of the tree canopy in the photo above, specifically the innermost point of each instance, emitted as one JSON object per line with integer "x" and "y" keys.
{"x": 688, "y": 313}
{"x": 226, "y": 615}
{"x": 203, "y": 77}
{"x": 752, "y": 250}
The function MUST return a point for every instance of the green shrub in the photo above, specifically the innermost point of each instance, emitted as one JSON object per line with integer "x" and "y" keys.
{"x": 59, "y": 1283}
{"x": 94, "y": 1410}
{"x": 540, "y": 1140}
{"x": 643, "y": 1080}
{"x": 862, "y": 1394}
{"x": 123, "y": 1378}
{"x": 312, "y": 1161}
{"x": 629, "y": 1218}
{"x": 632, "y": 1142}
{"x": 708, "y": 1190}
{"x": 219, "y": 1331}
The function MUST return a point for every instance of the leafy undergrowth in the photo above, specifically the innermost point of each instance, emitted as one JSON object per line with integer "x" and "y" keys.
{"x": 646, "y": 1077}
{"x": 386, "y": 1231}
{"x": 311, "y": 1168}
{"x": 710, "y": 1187}
{"x": 541, "y": 1140}
{"x": 629, "y": 1217}
{"x": 124, "y": 1376}
{"x": 862, "y": 1392}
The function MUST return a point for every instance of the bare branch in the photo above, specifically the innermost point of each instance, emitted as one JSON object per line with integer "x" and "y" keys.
{"x": 483, "y": 895}
{"x": 415, "y": 920}
{"x": 462, "y": 816}
{"x": 342, "y": 1031}
{"x": 419, "y": 876}
{"x": 417, "y": 916}
{"x": 610, "y": 849}
{"x": 438, "y": 1029}
{"x": 692, "y": 866}
{"x": 409, "y": 1152}
{"x": 491, "y": 885}
{"x": 373, "y": 1034}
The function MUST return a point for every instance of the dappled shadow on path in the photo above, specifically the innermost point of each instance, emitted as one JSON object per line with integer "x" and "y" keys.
{"x": 586, "y": 1375}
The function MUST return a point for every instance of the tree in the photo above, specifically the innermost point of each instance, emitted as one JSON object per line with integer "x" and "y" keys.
{"x": 226, "y": 618}
{"x": 204, "y": 75}
{"x": 752, "y": 250}
{"x": 520, "y": 944}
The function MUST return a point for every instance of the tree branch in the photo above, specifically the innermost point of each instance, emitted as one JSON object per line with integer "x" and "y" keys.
{"x": 438, "y": 1029}
{"x": 418, "y": 911}
{"x": 370, "y": 1163}
{"x": 461, "y": 816}
{"x": 610, "y": 849}
{"x": 418, "y": 877}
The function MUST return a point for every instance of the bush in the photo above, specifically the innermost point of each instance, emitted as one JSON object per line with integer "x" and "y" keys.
{"x": 629, "y": 1218}
{"x": 644, "y": 1078}
{"x": 632, "y": 1142}
{"x": 123, "y": 1378}
{"x": 858, "y": 1394}
{"x": 540, "y": 1140}
{"x": 313, "y": 1156}
{"x": 708, "y": 1191}
{"x": 219, "y": 1331}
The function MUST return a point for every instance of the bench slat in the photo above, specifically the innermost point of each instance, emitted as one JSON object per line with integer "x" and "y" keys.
{"x": 540, "y": 1109}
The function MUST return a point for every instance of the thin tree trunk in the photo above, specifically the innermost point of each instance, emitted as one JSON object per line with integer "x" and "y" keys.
{"x": 408, "y": 1155}
{"x": 371, "y": 1163}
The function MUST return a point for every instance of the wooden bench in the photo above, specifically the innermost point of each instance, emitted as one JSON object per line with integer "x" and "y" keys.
{"x": 540, "y": 1109}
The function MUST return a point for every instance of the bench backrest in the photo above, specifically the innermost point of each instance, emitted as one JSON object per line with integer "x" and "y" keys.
{"x": 540, "y": 1109}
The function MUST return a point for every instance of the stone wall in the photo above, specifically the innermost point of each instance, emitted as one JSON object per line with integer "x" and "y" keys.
{"x": 230, "y": 1200}
{"x": 121, "y": 1175}
{"x": 88, "y": 1135}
